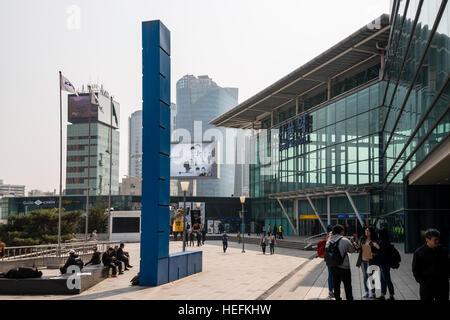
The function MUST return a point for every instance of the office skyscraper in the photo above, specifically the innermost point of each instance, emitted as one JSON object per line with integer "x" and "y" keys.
{"x": 135, "y": 140}
{"x": 200, "y": 99}
{"x": 82, "y": 115}
{"x": 135, "y": 144}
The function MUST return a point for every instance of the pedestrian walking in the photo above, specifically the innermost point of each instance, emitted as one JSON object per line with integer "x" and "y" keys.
{"x": 199, "y": 239}
{"x": 336, "y": 256}
{"x": 321, "y": 254}
{"x": 272, "y": 240}
{"x": 204, "y": 231}
{"x": 263, "y": 243}
{"x": 367, "y": 248}
{"x": 431, "y": 268}
{"x": 191, "y": 238}
{"x": 239, "y": 237}
{"x": 275, "y": 230}
{"x": 264, "y": 230}
{"x": 383, "y": 261}
{"x": 280, "y": 232}
{"x": 225, "y": 241}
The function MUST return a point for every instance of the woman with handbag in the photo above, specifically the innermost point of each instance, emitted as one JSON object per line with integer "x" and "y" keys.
{"x": 368, "y": 248}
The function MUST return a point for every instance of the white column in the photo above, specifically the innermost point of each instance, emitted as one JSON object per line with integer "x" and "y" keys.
{"x": 354, "y": 208}
{"x": 316, "y": 213}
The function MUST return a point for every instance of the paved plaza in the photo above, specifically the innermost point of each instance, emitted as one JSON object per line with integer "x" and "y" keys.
{"x": 289, "y": 274}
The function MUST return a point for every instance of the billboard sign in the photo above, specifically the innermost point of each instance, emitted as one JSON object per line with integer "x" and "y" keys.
{"x": 195, "y": 217}
{"x": 197, "y": 160}
{"x": 81, "y": 109}
{"x": 104, "y": 112}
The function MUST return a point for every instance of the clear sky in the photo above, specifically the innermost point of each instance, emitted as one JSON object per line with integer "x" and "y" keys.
{"x": 248, "y": 44}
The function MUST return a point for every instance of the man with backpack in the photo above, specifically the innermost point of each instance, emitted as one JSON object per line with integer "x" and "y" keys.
{"x": 321, "y": 254}
{"x": 336, "y": 257}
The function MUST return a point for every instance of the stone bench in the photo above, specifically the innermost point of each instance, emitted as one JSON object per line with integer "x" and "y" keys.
{"x": 53, "y": 285}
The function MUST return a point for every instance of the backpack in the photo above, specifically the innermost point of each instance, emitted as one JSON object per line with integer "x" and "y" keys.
{"x": 135, "y": 280}
{"x": 321, "y": 248}
{"x": 394, "y": 258}
{"x": 333, "y": 257}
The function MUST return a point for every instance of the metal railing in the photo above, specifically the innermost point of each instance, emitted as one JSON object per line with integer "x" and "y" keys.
{"x": 53, "y": 250}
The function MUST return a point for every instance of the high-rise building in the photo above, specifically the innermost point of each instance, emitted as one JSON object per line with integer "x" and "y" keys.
{"x": 88, "y": 119}
{"x": 135, "y": 144}
{"x": 135, "y": 140}
{"x": 11, "y": 190}
{"x": 199, "y": 100}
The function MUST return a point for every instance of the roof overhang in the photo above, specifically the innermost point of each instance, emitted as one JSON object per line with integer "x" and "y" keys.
{"x": 321, "y": 192}
{"x": 362, "y": 47}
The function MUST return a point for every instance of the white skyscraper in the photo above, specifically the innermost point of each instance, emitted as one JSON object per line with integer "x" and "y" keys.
{"x": 135, "y": 144}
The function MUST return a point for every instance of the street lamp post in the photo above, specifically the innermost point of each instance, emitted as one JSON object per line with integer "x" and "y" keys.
{"x": 243, "y": 226}
{"x": 184, "y": 188}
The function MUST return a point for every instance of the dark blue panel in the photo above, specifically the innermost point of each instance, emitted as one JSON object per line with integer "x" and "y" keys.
{"x": 164, "y": 141}
{"x": 164, "y": 38}
{"x": 164, "y": 63}
{"x": 154, "y": 218}
{"x": 194, "y": 262}
{"x": 164, "y": 90}
{"x": 163, "y": 239}
{"x": 164, "y": 162}
{"x": 164, "y": 114}
{"x": 177, "y": 266}
{"x": 163, "y": 271}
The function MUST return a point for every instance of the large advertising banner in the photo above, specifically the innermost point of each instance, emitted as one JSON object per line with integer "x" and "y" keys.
{"x": 197, "y": 160}
{"x": 81, "y": 108}
{"x": 210, "y": 226}
{"x": 216, "y": 226}
{"x": 196, "y": 215}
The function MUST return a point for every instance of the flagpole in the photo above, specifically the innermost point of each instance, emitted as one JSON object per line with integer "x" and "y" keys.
{"x": 60, "y": 165}
{"x": 110, "y": 170}
{"x": 89, "y": 177}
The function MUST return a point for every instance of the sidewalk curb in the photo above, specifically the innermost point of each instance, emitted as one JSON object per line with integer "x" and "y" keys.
{"x": 272, "y": 289}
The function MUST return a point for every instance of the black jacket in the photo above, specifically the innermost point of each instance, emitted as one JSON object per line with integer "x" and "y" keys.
{"x": 107, "y": 259}
{"x": 431, "y": 265}
{"x": 95, "y": 259}
{"x": 121, "y": 254}
{"x": 382, "y": 258}
{"x": 73, "y": 259}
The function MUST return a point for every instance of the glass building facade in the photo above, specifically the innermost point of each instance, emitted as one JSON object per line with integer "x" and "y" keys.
{"x": 417, "y": 120}
{"x": 77, "y": 159}
{"x": 363, "y": 130}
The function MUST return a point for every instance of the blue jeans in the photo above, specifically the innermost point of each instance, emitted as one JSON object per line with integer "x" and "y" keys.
{"x": 272, "y": 248}
{"x": 330, "y": 280}
{"x": 386, "y": 281}
{"x": 364, "y": 266}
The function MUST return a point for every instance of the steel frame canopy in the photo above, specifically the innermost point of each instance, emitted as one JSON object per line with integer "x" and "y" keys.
{"x": 321, "y": 192}
{"x": 359, "y": 49}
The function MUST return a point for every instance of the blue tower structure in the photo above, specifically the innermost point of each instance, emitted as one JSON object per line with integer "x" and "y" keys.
{"x": 157, "y": 266}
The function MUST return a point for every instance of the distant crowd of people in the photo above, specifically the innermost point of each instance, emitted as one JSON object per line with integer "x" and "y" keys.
{"x": 376, "y": 257}
{"x": 112, "y": 259}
